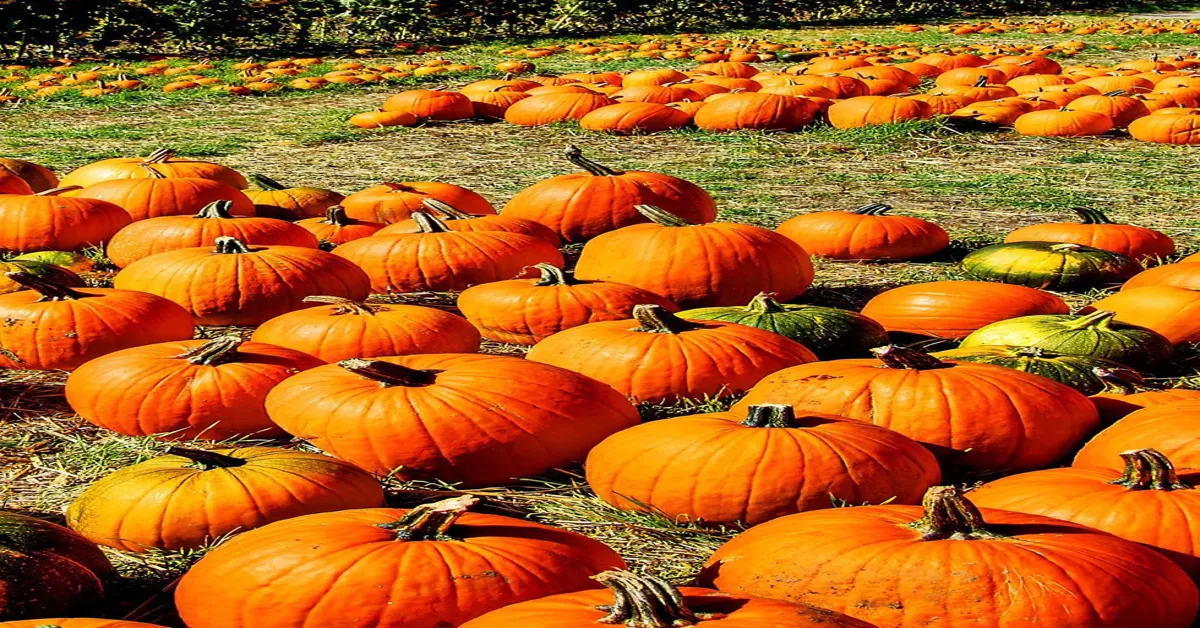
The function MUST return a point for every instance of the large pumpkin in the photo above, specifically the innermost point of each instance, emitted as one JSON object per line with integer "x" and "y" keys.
{"x": 1095, "y": 335}
{"x": 866, "y": 233}
{"x": 542, "y": 109}
{"x": 480, "y": 420}
{"x": 954, "y": 309}
{"x": 52, "y": 326}
{"x": 1031, "y": 421}
{"x": 1097, "y": 231}
{"x": 949, "y": 564}
{"x": 1170, "y": 428}
{"x": 431, "y": 104}
{"x": 1065, "y": 267}
{"x": 457, "y": 220}
{"x": 432, "y": 565}
{"x": 169, "y": 233}
{"x": 190, "y": 497}
{"x": 38, "y": 178}
{"x": 340, "y": 329}
{"x": 235, "y": 284}
{"x": 439, "y": 259}
{"x": 1170, "y": 311}
{"x": 1063, "y": 123}
{"x": 291, "y": 203}
{"x": 691, "y": 359}
{"x": 210, "y": 389}
{"x": 584, "y": 205}
{"x": 757, "y": 465}
{"x": 48, "y": 221}
{"x": 393, "y": 202}
{"x": 47, "y": 569}
{"x": 633, "y": 118}
{"x": 755, "y": 111}
{"x": 336, "y": 228}
{"x": 524, "y": 312}
{"x": 1076, "y": 371}
{"x": 828, "y": 332}
{"x": 649, "y": 602}
{"x": 694, "y": 265}
{"x": 161, "y": 161}
{"x": 861, "y": 111}
{"x": 1173, "y": 128}
{"x": 162, "y": 196}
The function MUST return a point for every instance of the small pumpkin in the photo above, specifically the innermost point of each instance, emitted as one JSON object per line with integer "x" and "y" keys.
{"x": 392, "y": 202}
{"x": 457, "y": 220}
{"x": 866, "y": 233}
{"x": 47, "y": 569}
{"x": 1094, "y": 335}
{"x": 1065, "y": 267}
{"x": 1169, "y": 428}
{"x": 336, "y": 228}
{"x": 382, "y": 119}
{"x": 1076, "y": 371}
{"x": 290, "y": 203}
{"x": 1097, "y": 231}
{"x": 49, "y": 221}
{"x": 162, "y": 161}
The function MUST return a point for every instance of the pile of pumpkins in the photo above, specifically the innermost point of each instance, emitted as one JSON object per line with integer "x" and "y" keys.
{"x": 663, "y": 305}
{"x": 1154, "y": 100}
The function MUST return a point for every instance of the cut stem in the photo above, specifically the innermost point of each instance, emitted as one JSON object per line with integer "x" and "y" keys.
{"x": 266, "y": 183}
{"x": 770, "y": 415}
{"x": 206, "y": 460}
{"x": 445, "y": 209}
{"x": 874, "y": 209}
{"x": 1089, "y": 216}
{"x": 764, "y": 304}
{"x": 897, "y": 357}
{"x": 426, "y": 223}
{"x": 388, "y": 374}
{"x": 949, "y": 515}
{"x": 646, "y": 602}
{"x": 229, "y": 245}
{"x": 431, "y": 522}
{"x": 1148, "y": 469}
{"x": 49, "y": 289}
{"x": 216, "y": 209}
{"x": 336, "y": 215}
{"x": 344, "y": 305}
{"x": 661, "y": 216}
{"x": 159, "y": 156}
{"x": 655, "y": 319}
{"x": 214, "y": 352}
{"x": 553, "y": 276}
{"x": 575, "y": 156}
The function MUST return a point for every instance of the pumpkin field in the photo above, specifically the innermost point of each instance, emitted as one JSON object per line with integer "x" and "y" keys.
{"x": 886, "y": 325}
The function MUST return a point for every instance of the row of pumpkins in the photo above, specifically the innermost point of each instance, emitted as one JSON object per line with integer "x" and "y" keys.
{"x": 1155, "y": 100}
{"x": 400, "y": 390}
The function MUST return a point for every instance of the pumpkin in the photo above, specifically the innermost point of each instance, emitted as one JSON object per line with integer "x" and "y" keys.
{"x": 256, "y": 283}
{"x": 829, "y": 332}
{"x": 1170, "y": 311}
{"x": 655, "y": 94}
{"x": 632, "y": 118}
{"x": 1064, "y": 267}
{"x": 1063, "y": 123}
{"x": 1119, "y": 108}
{"x": 492, "y": 104}
{"x": 866, "y": 233}
{"x": 393, "y": 202}
{"x": 439, "y": 259}
{"x": 339, "y": 329}
{"x": 38, "y": 269}
{"x": 954, "y": 309}
{"x": 1126, "y": 391}
{"x": 431, "y": 104}
{"x": 756, "y": 111}
{"x": 545, "y": 109}
{"x": 457, "y": 220}
{"x": 524, "y": 312}
{"x": 336, "y": 228}
{"x": 653, "y": 76}
{"x": 1180, "y": 275}
{"x": 1076, "y": 371}
{"x": 158, "y": 195}
{"x": 584, "y": 205}
{"x": 730, "y": 69}
{"x": 290, "y": 203}
{"x": 1032, "y": 421}
{"x": 986, "y": 116}
{"x": 189, "y": 497}
{"x": 48, "y": 221}
{"x": 757, "y": 465}
{"x": 843, "y": 87}
{"x": 1174, "y": 128}
{"x": 46, "y": 568}
{"x": 1094, "y": 335}
{"x": 208, "y": 389}
{"x": 481, "y": 420}
{"x": 162, "y": 161}
{"x": 1169, "y": 428}
{"x": 910, "y": 566}
{"x": 979, "y": 91}
{"x": 693, "y": 359}
{"x": 170, "y": 233}
{"x": 695, "y": 265}
{"x": 381, "y": 119}
{"x": 54, "y": 326}
{"x": 12, "y": 184}
{"x": 860, "y": 111}
{"x": 650, "y": 602}
{"x": 433, "y": 564}
{"x": 1149, "y": 503}
{"x": 941, "y": 104}
{"x": 1097, "y": 231}
{"x": 38, "y": 178}
{"x": 76, "y": 622}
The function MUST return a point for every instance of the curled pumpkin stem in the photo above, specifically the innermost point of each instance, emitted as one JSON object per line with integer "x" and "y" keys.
{"x": 214, "y": 352}
{"x": 646, "y": 602}
{"x": 431, "y": 522}
{"x": 266, "y": 183}
{"x": 1089, "y": 216}
{"x": 159, "y": 156}
{"x": 661, "y": 216}
{"x": 426, "y": 223}
{"x": 575, "y": 156}
{"x": 874, "y": 209}
{"x": 344, "y": 305}
{"x": 1149, "y": 469}
{"x": 553, "y": 276}
{"x": 446, "y": 209}
{"x": 216, "y": 209}
{"x": 657, "y": 320}
{"x": 151, "y": 172}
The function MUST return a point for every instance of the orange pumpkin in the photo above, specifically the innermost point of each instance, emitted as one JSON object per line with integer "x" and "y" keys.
{"x": 460, "y": 221}
{"x": 48, "y": 221}
{"x": 431, "y": 104}
{"x": 48, "y": 569}
{"x": 381, "y": 119}
{"x": 336, "y": 228}
{"x": 492, "y": 104}
{"x": 866, "y": 233}
{"x": 756, "y": 111}
{"x": 1063, "y": 123}
{"x": 559, "y": 107}
{"x": 630, "y": 118}
{"x": 863, "y": 111}
{"x": 954, "y": 309}
{"x": 1169, "y": 428}
{"x": 1121, "y": 109}
{"x": 1168, "y": 310}
{"x": 290, "y": 203}
{"x": 76, "y": 622}
{"x": 161, "y": 161}
{"x": 393, "y": 202}
{"x": 162, "y": 196}
{"x": 1176, "y": 128}
{"x": 1184, "y": 274}
{"x": 1097, "y": 231}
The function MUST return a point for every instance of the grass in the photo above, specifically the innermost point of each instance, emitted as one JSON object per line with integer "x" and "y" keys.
{"x": 978, "y": 185}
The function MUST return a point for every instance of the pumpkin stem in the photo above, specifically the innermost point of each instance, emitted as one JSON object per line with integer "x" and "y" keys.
{"x": 1114, "y": 93}
{"x": 762, "y": 303}
{"x": 216, "y": 209}
{"x": 228, "y": 245}
{"x": 553, "y": 276}
{"x": 446, "y": 209}
{"x": 344, "y": 305}
{"x": 1121, "y": 381}
{"x": 388, "y": 374}
{"x": 159, "y": 156}
{"x": 206, "y": 460}
{"x": 646, "y": 602}
{"x": 1099, "y": 318}
{"x": 398, "y": 187}
{"x": 50, "y": 289}
{"x": 770, "y": 415}
{"x": 1148, "y": 469}
{"x": 874, "y": 209}
{"x": 897, "y": 357}
{"x": 266, "y": 183}
{"x": 153, "y": 174}
{"x": 661, "y": 216}
{"x": 1066, "y": 246}
{"x": 57, "y": 191}
{"x": 1031, "y": 352}
{"x": 950, "y": 515}
{"x": 981, "y": 82}
{"x": 575, "y": 156}
{"x": 336, "y": 215}
{"x": 426, "y": 223}
{"x": 214, "y": 352}
{"x": 1089, "y": 216}
{"x": 431, "y": 522}
{"x": 656, "y": 320}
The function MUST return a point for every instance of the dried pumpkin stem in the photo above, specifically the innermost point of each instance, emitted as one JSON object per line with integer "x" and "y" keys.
{"x": 770, "y": 415}
{"x": 153, "y": 174}
{"x": 553, "y": 276}
{"x": 344, "y": 305}
{"x": 1121, "y": 381}
{"x": 49, "y": 289}
{"x": 228, "y": 245}
{"x": 575, "y": 156}
{"x": 646, "y": 602}
{"x": 1066, "y": 246}
{"x": 431, "y": 522}
{"x": 446, "y": 209}
{"x": 388, "y": 374}
{"x": 656, "y": 320}
{"x": 874, "y": 209}
{"x": 336, "y": 215}
{"x": 764, "y": 304}
{"x": 1095, "y": 319}
{"x": 661, "y": 216}
{"x": 1032, "y": 352}
{"x": 206, "y": 460}
{"x": 57, "y": 191}
{"x": 1089, "y": 216}
{"x": 159, "y": 156}
{"x": 216, "y": 209}
{"x": 214, "y": 352}
{"x": 897, "y": 357}
{"x": 1148, "y": 469}
{"x": 266, "y": 183}
{"x": 949, "y": 515}
{"x": 426, "y": 223}
{"x": 398, "y": 187}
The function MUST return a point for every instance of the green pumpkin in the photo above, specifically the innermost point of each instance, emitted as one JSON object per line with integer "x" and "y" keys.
{"x": 1076, "y": 371}
{"x": 40, "y": 269}
{"x": 1095, "y": 335}
{"x": 1064, "y": 267}
{"x": 829, "y": 332}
